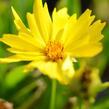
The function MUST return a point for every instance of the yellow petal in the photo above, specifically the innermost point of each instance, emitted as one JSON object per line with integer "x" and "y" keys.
{"x": 82, "y": 41}
{"x": 18, "y": 22}
{"x": 68, "y": 28}
{"x": 34, "y": 28}
{"x": 85, "y": 15}
{"x": 95, "y": 31}
{"x": 67, "y": 69}
{"x": 32, "y": 40}
{"x": 31, "y": 57}
{"x": 62, "y": 71}
{"x": 89, "y": 50}
{"x": 25, "y": 55}
{"x": 46, "y": 67}
{"x": 10, "y": 59}
{"x": 17, "y": 51}
{"x": 43, "y": 19}
{"x": 77, "y": 32}
{"x": 16, "y": 42}
{"x": 60, "y": 18}
{"x": 48, "y": 19}
{"x": 22, "y": 57}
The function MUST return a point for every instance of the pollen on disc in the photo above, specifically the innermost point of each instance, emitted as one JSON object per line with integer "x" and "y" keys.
{"x": 54, "y": 50}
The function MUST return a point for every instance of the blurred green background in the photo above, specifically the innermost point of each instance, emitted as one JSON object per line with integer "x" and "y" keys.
{"x": 32, "y": 90}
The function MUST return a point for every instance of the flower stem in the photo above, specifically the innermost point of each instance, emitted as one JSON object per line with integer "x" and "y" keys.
{"x": 53, "y": 95}
{"x": 80, "y": 102}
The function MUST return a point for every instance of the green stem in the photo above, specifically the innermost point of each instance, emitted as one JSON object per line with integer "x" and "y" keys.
{"x": 53, "y": 95}
{"x": 80, "y": 106}
{"x": 80, "y": 102}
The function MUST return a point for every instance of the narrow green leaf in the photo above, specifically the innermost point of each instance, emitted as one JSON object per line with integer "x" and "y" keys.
{"x": 14, "y": 77}
{"x": 74, "y": 6}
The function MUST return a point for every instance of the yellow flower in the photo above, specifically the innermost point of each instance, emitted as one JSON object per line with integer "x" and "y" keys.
{"x": 52, "y": 44}
{"x": 87, "y": 82}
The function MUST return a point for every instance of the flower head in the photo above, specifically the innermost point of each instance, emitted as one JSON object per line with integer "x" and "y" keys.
{"x": 51, "y": 44}
{"x": 87, "y": 82}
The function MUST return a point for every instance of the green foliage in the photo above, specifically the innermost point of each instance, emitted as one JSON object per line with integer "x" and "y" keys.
{"x": 14, "y": 77}
{"x": 74, "y": 6}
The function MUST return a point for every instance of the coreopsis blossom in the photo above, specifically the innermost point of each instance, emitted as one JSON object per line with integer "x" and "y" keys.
{"x": 87, "y": 82}
{"x": 51, "y": 44}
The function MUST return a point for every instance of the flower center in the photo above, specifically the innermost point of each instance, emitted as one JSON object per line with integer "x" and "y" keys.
{"x": 54, "y": 50}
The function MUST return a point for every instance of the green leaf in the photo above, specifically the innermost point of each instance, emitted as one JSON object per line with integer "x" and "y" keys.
{"x": 14, "y": 77}
{"x": 103, "y": 104}
{"x": 74, "y": 6}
